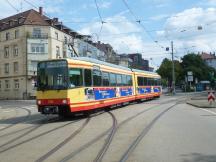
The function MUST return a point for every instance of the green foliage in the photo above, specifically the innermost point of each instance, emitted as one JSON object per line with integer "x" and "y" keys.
{"x": 165, "y": 70}
{"x": 190, "y": 62}
{"x": 194, "y": 63}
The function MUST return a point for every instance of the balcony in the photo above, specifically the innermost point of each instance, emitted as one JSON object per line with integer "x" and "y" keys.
{"x": 37, "y": 36}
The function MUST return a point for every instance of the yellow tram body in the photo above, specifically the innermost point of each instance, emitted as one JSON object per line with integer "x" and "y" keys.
{"x": 81, "y": 84}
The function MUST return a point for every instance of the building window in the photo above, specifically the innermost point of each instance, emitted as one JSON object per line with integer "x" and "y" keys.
{"x": 6, "y": 66}
{"x": 7, "y": 36}
{"x": 15, "y": 50}
{"x": 65, "y": 40}
{"x": 16, "y": 34}
{"x": 34, "y": 66}
{"x": 7, "y": 84}
{"x": 37, "y": 32}
{"x": 56, "y": 35}
{"x": 64, "y": 54}
{"x": 37, "y": 48}
{"x": 16, "y": 84}
{"x": 57, "y": 52}
{"x": 6, "y": 52}
{"x": 16, "y": 67}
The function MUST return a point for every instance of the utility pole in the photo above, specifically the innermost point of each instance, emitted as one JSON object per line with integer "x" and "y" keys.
{"x": 173, "y": 69}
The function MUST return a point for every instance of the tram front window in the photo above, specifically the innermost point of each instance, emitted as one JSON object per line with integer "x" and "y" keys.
{"x": 52, "y": 75}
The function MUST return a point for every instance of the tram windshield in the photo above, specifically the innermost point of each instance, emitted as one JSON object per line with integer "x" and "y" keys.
{"x": 52, "y": 75}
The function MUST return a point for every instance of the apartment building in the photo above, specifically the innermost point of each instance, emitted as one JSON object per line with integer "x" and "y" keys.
{"x": 27, "y": 38}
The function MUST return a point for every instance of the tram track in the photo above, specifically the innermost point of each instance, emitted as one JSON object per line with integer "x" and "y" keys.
{"x": 42, "y": 120}
{"x": 108, "y": 141}
{"x": 88, "y": 144}
{"x": 60, "y": 145}
{"x": 99, "y": 137}
{"x": 17, "y": 122}
{"x": 33, "y": 128}
{"x": 38, "y": 135}
{"x": 134, "y": 144}
{"x": 111, "y": 131}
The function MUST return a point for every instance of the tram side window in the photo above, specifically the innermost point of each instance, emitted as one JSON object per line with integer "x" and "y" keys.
{"x": 112, "y": 79}
{"x": 140, "y": 81}
{"x": 88, "y": 77}
{"x": 119, "y": 80}
{"x": 75, "y": 78}
{"x": 159, "y": 82}
{"x": 97, "y": 79}
{"x": 149, "y": 81}
{"x": 152, "y": 81}
{"x": 105, "y": 79}
{"x": 145, "y": 81}
{"x": 124, "y": 80}
{"x": 129, "y": 80}
{"x": 156, "y": 81}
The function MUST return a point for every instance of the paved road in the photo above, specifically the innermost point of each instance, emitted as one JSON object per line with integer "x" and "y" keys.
{"x": 162, "y": 130}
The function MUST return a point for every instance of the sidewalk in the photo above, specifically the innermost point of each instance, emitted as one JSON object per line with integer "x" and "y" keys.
{"x": 201, "y": 103}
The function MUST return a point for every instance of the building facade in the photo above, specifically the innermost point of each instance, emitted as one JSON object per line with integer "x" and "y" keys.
{"x": 210, "y": 59}
{"x": 110, "y": 54}
{"x": 27, "y": 38}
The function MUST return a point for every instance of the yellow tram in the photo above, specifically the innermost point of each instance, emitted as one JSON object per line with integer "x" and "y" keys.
{"x": 81, "y": 84}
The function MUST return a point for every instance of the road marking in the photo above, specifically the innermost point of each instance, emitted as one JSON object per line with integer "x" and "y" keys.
{"x": 7, "y": 111}
{"x": 212, "y": 112}
{"x": 2, "y": 128}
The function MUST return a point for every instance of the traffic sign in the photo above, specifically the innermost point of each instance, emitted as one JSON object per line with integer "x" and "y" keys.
{"x": 189, "y": 73}
{"x": 190, "y": 78}
{"x": 211, "y": 97}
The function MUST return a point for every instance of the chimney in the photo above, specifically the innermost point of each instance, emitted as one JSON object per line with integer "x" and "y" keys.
{"x": 55, "y": 19}
{"x": 41, "y": 10}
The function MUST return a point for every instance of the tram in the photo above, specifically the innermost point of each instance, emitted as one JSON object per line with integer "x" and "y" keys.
{"x": 67, "y": 86}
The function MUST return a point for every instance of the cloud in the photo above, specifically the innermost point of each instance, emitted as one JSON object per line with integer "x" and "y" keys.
{"x": 111, "y": 33}
{"x": 101, "y": 5}
{"x": 182, "y": 28}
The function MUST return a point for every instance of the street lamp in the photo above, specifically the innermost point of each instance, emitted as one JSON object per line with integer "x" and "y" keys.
{"x": 173, "y": 68}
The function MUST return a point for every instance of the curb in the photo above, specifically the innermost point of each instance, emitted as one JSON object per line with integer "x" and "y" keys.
{"x": 195, "y": 105}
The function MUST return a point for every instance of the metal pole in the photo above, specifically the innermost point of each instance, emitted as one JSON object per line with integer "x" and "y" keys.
{"x": 173, "y": 69}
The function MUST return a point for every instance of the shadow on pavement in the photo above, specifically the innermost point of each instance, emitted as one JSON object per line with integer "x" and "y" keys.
{"x": 39, "y": 119}
{"x": 198, "y": 157}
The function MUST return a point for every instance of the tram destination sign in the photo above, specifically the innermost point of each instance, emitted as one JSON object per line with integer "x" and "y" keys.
{"x": 55, "y": 64}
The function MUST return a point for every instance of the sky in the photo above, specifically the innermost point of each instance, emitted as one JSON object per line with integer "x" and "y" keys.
{"x": 131, "y": 26}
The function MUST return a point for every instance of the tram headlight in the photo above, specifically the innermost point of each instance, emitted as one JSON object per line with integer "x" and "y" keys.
{"x": 39, "y": 102}
{"x": 64, "y": 101}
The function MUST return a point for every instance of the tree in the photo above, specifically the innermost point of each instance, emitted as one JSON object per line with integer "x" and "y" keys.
{"x": 194, "y": 63}
{"x": 165, "y": 71}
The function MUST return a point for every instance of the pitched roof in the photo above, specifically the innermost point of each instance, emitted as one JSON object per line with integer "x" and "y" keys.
{"x": 30, "y": 17}
{"x": 206, "y": 56}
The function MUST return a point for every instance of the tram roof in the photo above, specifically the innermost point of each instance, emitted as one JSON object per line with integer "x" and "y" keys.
{"x": 146, "y": 72}
{"x": 92, "y": 60}
{"x": 95, "y": 61}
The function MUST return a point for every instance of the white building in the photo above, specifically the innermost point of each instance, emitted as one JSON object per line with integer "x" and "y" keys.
{"x": 27, "y": 38}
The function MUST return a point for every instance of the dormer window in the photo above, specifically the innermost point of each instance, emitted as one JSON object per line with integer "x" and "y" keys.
{"x": 20, "y": 20}
{"x": 10, "y": 23}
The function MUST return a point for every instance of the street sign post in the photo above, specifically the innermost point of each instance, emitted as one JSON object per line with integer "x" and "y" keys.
{"x": 190, "y": 77}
